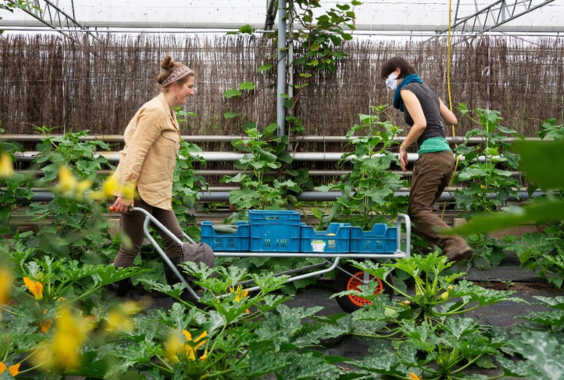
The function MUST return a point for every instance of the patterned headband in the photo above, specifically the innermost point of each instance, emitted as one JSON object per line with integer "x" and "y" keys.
{"x": 181, "y": 72}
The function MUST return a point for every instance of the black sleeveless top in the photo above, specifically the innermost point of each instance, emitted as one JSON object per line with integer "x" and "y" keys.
{"x": 430, "y": 104}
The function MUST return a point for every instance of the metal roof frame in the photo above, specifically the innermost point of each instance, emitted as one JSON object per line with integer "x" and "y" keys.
{"x": 500, "y": 12}
{"x": 55, "y": 18}
{"x": 490, "y": 19}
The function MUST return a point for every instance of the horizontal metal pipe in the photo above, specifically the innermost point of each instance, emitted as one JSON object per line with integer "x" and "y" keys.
{"x": 105, "y": 27}
{"x": 217, "y": 156}
{"x": 206, "y": 173}
{"x": 29, "y": 156}
{"x": 229, "y": 138}
{"x": 223, "y": 196}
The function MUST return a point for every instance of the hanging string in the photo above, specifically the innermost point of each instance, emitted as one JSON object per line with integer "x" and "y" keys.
{"x": 449, "y": 53}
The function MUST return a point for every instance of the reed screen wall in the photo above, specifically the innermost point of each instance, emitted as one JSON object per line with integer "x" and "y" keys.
{"x": 99, "y": 84}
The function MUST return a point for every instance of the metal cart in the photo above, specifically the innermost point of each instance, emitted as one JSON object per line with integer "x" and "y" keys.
{"x": 347, "y": 277}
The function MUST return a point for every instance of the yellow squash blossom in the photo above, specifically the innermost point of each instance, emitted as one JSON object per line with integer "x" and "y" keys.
{"x": 204, "y": 356}
{"x": 5, "y": 284}
{"x": 413, "y": 376}
{"x": 193, "y": 344}
{"x": 112, "y": 187}
{"x": 128, "y": 191}
{"x": 63, "y": 350}
{"x": 6, "y": 165}
{"x": 82, "y": 187}
{"x": 119, "y": 319}
{"x": 69, "y": 186}
{"x": 240, "y": 294}
{"x": 35, "y": 287}
{"x": 67, "y": 182}
{"x": 45, "y": 325}
{"x": 14, "y": 369}
{"x": 172, "y": 346}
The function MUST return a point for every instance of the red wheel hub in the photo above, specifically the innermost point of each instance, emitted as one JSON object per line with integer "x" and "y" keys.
{"x": 354, "y": 283}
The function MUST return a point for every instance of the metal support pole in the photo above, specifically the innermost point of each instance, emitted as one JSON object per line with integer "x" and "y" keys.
{"x": 291, "y": 68}
{"x": 281, "y": 84}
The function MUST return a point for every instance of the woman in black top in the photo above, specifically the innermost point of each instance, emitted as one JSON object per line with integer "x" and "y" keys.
{"x": 425, "y": 113}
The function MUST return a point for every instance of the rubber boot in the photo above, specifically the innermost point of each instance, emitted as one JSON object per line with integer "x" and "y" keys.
{"x": 119, "y": 288}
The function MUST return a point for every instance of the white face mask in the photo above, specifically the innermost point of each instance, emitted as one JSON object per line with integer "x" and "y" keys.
{"x": 392, "y": 82}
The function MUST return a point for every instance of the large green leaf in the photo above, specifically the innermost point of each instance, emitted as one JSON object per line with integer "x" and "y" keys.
{"x": 231, "y": 93}
{"x": 542, "y": 163}
{"x": 231, "y": 115}
{"x": 247, "y": 86}
{"x": 539, "y": 349}
{"x": 540, "y": 212}
{"x": 264, "y": 67}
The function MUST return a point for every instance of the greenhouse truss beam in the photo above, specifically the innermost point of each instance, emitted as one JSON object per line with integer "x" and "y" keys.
{"x": 55, "y": 18}
{"x": 270, "y": 15}
{"x": 494, "y": 15}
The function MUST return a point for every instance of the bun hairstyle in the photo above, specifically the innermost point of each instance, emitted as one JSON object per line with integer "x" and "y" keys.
{"x": 169, "y": 66}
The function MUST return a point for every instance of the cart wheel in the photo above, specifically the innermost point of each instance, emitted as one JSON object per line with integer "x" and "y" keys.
{"x": 344, "y": 281}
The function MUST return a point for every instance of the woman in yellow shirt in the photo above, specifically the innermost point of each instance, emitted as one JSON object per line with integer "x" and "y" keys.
{"x": 152, "y": 141}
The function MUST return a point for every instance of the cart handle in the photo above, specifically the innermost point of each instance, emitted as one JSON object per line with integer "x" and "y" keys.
{"x": 151, "y": 219}
{"x": 407, "y": 234}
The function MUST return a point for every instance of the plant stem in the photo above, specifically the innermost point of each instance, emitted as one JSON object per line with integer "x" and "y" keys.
{"x": 164, "y": 362}
{"x": 470, "y": 362}
{"x": 220, "y": 373}
{"x": 161, "y": 368}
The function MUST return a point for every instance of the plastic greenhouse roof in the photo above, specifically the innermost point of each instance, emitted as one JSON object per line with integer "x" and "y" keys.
{"x": 372, "y": 15}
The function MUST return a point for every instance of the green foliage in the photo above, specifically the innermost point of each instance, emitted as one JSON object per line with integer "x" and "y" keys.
{"x": 540, "y": 340}
{"x": 267, "y": 180}
{"x": 187, "y": 183}
{"x": 77, "y": 225}
{"x": 487, "y": 251}
{"x": 551, "y": 130}
{"x": 485, "y": 170}
{"x": 535, "y": 156}
{"x": 62, "y": 279}
{"x": 10, "y": 5}
{"x": 539, "y": 161}
{"x": 320, "y": 37}
{"x": 430, "y": 337}
{"x": 368, "y": 190}
{"x": 542, "y": 252}
{"x": 18, "y": 187}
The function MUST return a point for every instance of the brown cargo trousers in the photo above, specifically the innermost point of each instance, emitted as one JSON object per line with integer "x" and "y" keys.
{"x": 431, "y": 175}
{"x": 132, "y": 227}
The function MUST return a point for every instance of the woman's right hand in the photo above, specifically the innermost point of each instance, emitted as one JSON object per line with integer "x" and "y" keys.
{"x": 122, "y": 205}
{"x": 403, "y": 158}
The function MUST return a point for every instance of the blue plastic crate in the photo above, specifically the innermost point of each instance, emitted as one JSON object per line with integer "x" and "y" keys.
{"x": 238, "y": 241}
{"x": 336, "y": 238}
{"x": 274, "y": 231}
{"x": 382, "y": 239}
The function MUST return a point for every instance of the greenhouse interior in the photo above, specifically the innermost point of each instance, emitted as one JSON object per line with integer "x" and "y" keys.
{"x": 291, "y": 189}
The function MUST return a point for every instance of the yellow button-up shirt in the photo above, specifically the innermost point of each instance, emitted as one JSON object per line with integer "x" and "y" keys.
{"x": 152, "y": 140}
